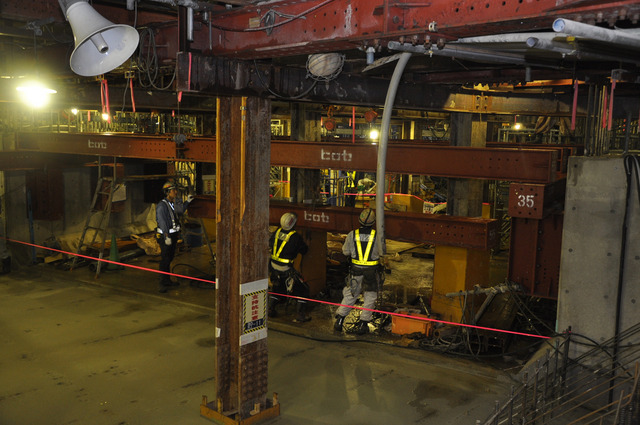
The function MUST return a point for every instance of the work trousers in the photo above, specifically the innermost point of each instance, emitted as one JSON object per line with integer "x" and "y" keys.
{"x": 289, "y": 282}
{"x": 349, "y": 297}
{"x": 167, "y": 253}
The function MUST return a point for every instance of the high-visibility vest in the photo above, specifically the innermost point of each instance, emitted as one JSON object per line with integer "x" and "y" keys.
{"x": 275, "y": 255}
{"x": 362, "y": 260}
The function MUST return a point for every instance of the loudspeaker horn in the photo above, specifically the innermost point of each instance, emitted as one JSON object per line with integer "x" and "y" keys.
{"x": 101, "y": 45}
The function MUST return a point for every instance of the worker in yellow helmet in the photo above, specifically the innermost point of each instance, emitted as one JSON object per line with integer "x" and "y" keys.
{"x": 285, "y": 244}
{"x": 168, "y": 212}
{"x": 364, "y": 274}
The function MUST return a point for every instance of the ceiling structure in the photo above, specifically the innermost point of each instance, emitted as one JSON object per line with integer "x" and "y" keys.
{"x": 510, "y": 49}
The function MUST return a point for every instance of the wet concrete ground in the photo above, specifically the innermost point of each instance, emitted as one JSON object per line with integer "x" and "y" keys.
{"x": 80, "y": 350}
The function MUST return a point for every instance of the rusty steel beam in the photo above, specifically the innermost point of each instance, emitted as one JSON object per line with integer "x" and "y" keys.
{"x": 127, "y": 146}
{"x": 217, "y": 75}
{"x": 522, "y": 165}
{"x": 536, "y": 200}
{"x": 526, "y": 165}
{"x": 466, "y": 232}
{"x": 288, "y": 28}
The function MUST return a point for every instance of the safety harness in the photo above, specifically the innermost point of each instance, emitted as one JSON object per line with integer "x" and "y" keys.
{"x": 275, "y": 255}
{"x": 362, "y": 260}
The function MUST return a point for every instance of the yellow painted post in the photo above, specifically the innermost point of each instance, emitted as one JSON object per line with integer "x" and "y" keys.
{"x": 456, "y": 269}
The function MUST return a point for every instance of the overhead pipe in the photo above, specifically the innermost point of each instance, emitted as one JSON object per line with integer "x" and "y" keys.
{"x": 469, "y": 53}
{"x": 620, "y": 37}
{"x": 382, "y": 149}
{"x": 578, "y": 52}
{"x": 461, "y": 52}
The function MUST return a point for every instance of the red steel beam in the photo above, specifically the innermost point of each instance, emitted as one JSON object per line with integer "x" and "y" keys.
{"x": 473, "y": 233}
{"x": 536, "y": 200}
{"x": 522, "y": 165}
{"x": 287, "y": 28}
{"x": 118, "y": 145}
{"x": 527, "y": 165}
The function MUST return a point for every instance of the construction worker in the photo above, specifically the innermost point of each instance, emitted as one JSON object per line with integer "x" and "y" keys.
{"x": 364, "y": 273}
{"x": 168, "y": 213}
{"x": 285, "y": 244}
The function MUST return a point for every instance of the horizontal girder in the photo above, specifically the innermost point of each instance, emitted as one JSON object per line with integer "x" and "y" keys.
{"x": 524, "y": 165}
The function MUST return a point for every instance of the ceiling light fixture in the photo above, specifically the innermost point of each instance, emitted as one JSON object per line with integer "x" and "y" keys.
{"x": 34, "y": 93}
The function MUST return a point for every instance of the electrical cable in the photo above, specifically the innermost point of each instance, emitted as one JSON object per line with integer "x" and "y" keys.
{"x": 148, "y": 61}
{"x": 271, "y": 26}
{"x": 299, "y": 96}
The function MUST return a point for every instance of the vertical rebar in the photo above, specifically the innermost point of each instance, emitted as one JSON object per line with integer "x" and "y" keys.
{"x": 544, "y": 386}
{"x": 511, "y": 397}
{"x": 565, "y": 362}
{"x": 525, "y": 385}
{"x": 495, "y": 421}
{"x": 535, "y": 392}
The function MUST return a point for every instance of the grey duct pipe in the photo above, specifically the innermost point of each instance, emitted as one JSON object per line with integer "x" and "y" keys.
{"x": 461, "y": 52}
{"x": 580, "y": 53}
{"x": 619, "y": 37}
{"x": 189, "y": 23}
{"x": 382, "y": 149}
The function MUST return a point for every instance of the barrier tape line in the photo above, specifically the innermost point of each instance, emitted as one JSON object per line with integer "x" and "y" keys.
{"x": 110, "y": 261}
{"x": 425, "y": 319}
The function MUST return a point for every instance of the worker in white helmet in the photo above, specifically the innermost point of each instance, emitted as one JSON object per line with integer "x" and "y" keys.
{"x": 364, "y": 273}
{"x": 285, "y": 244}
{"x": 168, "y": 212}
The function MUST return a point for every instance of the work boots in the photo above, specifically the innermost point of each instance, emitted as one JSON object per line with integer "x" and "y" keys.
{"x": 337, "y": 326}
{"x": 362, "y": 328}
{"x": 6, "y": 265}
{"x": 301, "y": 313}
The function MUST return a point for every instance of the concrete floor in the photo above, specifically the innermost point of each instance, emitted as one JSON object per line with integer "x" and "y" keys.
{"x": 80, "y": 350}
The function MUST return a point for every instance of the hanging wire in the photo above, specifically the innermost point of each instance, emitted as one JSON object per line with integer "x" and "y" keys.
{"x": 148, "y": 68}
{"x": 266, "y": 86}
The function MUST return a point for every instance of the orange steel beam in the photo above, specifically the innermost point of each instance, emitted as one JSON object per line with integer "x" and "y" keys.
{"x": 466, "y": 232}
{"x": 522, "y": 165}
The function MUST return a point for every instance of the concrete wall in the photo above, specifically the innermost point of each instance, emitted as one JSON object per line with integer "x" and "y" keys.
{"x": 79, "y": 185}
{"x": 591, "y": 250}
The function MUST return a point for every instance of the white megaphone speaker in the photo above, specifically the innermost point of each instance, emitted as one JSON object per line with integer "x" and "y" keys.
{"x": 101, "y": 45}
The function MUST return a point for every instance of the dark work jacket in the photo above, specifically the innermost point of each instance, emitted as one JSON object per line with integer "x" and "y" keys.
{"x": 294, "y": 246}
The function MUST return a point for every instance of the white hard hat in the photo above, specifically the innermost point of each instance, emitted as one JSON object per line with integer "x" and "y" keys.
{"x": 288, "y": 220}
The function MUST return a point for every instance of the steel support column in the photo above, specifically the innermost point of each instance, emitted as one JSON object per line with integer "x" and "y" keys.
{"x": 241, "y": 294}
{"x": 536, "y": 236}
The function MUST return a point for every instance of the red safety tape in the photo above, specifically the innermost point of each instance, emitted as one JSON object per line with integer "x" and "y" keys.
{"x": 109, "y": 261}
{"x": 425, "y": 319}
{"x": 133, "y": 100}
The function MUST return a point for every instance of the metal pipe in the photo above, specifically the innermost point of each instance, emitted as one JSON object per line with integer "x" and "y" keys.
{"x": 579, "y": 29}
{"x": 189, "y": 23}
{"x": 574, "y": 51}
{"x": 382, "y": 149}
{"x": 506, "y": 38}
{"x": 461, "y": 52}
{"x": 469, "y": 53}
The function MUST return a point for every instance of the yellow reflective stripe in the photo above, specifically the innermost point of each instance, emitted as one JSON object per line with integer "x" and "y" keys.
{"x": 276, "y": 251}
{"x": 362, "y": 260}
